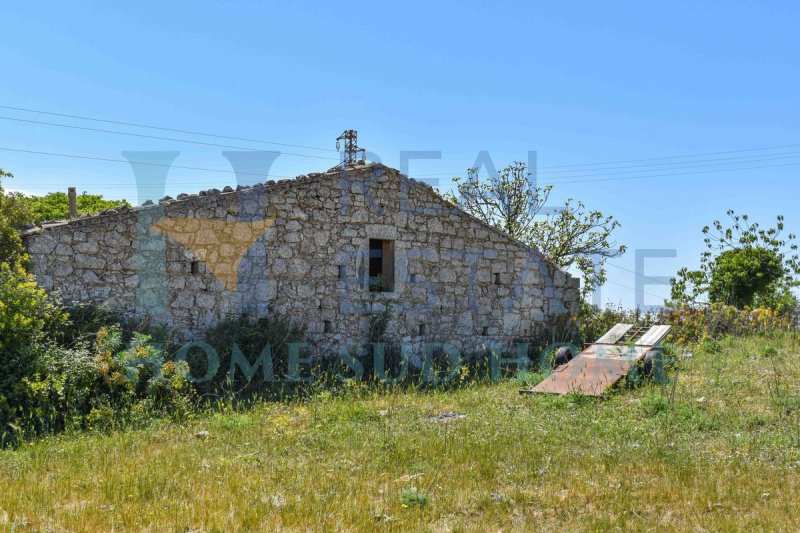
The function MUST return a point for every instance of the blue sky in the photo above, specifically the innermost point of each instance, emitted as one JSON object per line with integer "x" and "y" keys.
{"x": 579, "y": 83}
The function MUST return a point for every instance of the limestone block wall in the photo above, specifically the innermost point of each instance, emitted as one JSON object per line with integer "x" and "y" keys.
{"x": 301, "y": 248}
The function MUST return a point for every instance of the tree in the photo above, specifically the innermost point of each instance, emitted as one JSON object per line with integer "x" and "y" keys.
{"x": 743, "y": 265}
{"x": 570, "y": 236}
{"x": 13, "y": 215}
{"x": 55, "y": 205}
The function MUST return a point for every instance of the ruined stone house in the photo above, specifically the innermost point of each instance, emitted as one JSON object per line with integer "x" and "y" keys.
{"x": 326, "y": 249}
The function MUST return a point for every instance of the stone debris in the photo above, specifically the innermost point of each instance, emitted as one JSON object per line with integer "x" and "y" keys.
{"x": 447, "y": 416}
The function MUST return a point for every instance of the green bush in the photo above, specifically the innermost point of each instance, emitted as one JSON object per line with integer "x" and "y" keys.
{"x": 250, "y": 336}
{"x": 13, "y": 215}
{"x": 697, "y": 324}
{"x": 55, "y": 205}
{"x": 99, "y": 386}
{"x": 27, "y": 313}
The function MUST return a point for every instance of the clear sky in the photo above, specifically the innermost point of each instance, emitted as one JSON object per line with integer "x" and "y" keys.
{"x": 579, "y": 83}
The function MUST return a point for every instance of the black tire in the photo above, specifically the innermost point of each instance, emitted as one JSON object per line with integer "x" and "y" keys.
{"x": 649, "y": 362}
{"x": 563, "y": 356}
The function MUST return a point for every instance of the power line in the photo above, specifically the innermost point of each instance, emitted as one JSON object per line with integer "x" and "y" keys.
{"x": 783, "y": 155}
{"x": 746, "y": 158}
{"x": 670, "y": 174}
{"x": 128, "y": 134}
{"x": 553, "y": 168}
{"x": 203, "y": 134}
{"x": 679, "y": 156}
{"x": 771, "y": 157}
{"x": 643, "y": 160}
{"x": 105, "y": 159}
{"x": 639, "y": 274}
{"x": 677, "y": 174}
{"x": 633, "y": 289}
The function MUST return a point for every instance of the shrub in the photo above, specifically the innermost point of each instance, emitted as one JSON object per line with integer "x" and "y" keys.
{"x": 85, "y": 320}
{"x": 594, "y": 321}
{"x": 250, "y": 336}
{"x": 414, "y": 497}
{"x": 693, "y": 324}
{"x": 98, "y": 386}
{"x": 13, "y": 215}
{"x": 27, "y": 313}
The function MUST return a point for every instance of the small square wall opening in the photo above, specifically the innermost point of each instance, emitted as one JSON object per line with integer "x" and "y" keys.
{"x": 327, "y": 326}
{"x": 341, "y": 272}
{"x": 194, "y": 267}
{"x": 497, "y": 278}
{"x": 413, "y": 278}
{"x": 381, "y": 265}
{"x": 422, "y": 329}
{"x": 485, "y": 331}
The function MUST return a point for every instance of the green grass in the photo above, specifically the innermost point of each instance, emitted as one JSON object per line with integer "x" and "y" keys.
{"x": 718, "y": 451}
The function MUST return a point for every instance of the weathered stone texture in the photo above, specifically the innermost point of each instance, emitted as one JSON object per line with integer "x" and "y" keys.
{"x": 192, "y": 262}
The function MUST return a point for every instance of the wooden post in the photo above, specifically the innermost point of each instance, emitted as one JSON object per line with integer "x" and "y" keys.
{"x": 73, "y": 202}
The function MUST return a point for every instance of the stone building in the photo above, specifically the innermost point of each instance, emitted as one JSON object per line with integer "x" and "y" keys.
{"x": 326, "y": 249}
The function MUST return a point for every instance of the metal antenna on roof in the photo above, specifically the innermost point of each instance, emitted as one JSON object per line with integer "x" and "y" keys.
{"x": 351, "y": 149}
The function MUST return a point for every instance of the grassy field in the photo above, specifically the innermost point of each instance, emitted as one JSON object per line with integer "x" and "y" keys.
{"x": 718, "y": 451}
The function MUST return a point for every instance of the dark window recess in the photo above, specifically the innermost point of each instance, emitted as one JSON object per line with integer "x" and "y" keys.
{"x": 381, "y": 265}
{"x": 327, "y": 327}
{"x": 195, "y": 267}
{"x": 422, "y": 329}
{"x": 497, "y": 278}
{"x": 485, "y": 331}
{"x": 341, "y": 271}
{"x": 413, "y": 278}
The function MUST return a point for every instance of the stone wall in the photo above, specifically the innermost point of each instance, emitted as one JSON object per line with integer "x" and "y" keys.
{"x": 300, "y": 247}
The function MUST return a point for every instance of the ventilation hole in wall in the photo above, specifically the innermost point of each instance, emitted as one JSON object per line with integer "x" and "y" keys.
{"x": 413, "y": 278}
{"x": 497, "y": 278}
{"x": 327, "y": 327}
{"x": 195, "y": 267}
{"x": 485, "y": 332}
{"x": 341, "y": 271}
{"x": 422, "y": 329}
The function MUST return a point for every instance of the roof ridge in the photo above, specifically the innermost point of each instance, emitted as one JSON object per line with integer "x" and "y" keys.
{"x": 30, "y": 229}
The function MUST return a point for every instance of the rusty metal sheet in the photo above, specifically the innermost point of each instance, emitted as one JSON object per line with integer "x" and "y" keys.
{"x": 585, "y": 375}
{"x": 603, "y": 364}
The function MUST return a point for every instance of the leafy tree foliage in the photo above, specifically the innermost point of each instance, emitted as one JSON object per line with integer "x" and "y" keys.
{"x": 744, "y": 265}
{"x": 55, "y": 205}
{"x": 571, "y": 236}
{"x": 17, "y": 210}
{"x": 26, "y": 311}
{"x": 13, "y": 214}
{"x": 26, "y": 314}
